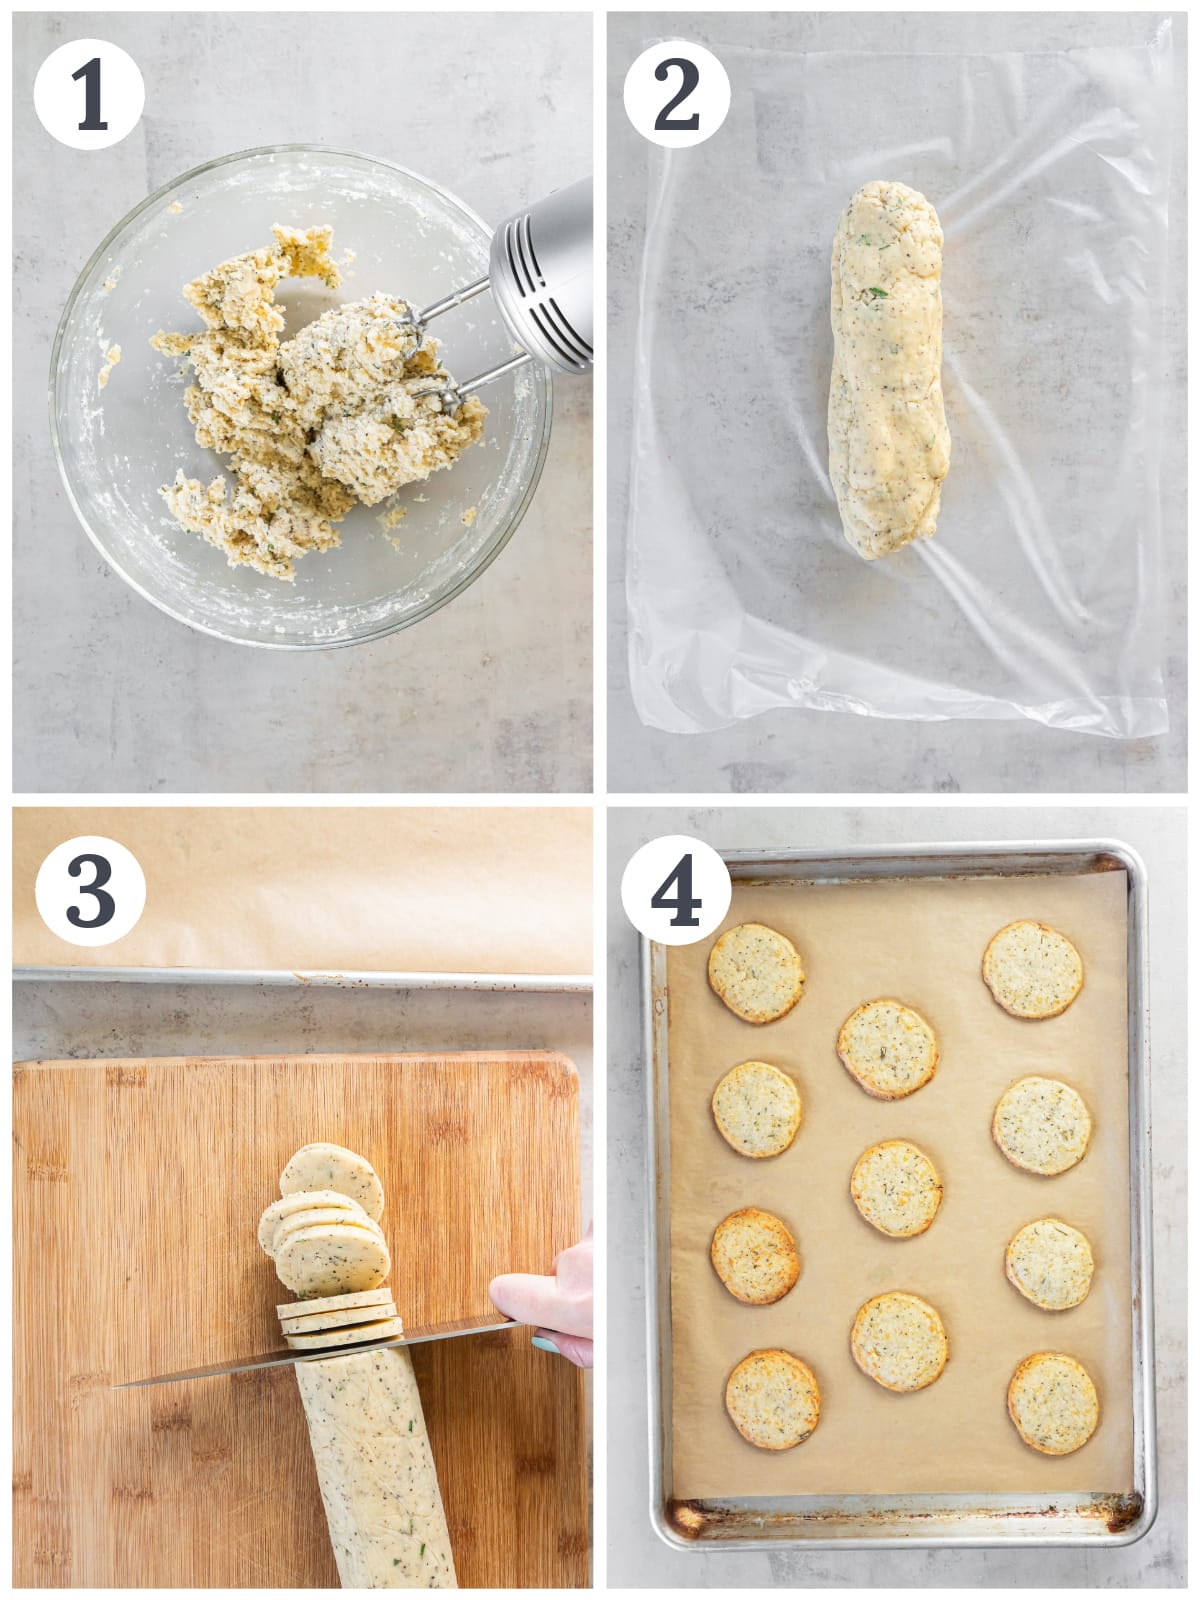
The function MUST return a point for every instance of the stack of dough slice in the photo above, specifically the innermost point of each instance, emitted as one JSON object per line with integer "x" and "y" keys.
{"x": 340, "y": 1319}
{"x": 365, "y": 1422}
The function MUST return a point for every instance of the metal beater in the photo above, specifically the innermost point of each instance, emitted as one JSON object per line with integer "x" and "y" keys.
{"x": 540, "y": 275}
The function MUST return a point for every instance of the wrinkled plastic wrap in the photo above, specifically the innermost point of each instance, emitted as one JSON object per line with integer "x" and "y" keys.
{"x": 1039, "y": 597}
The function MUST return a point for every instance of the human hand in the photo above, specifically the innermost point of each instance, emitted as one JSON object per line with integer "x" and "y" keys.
{"x": 558, "y": 1307}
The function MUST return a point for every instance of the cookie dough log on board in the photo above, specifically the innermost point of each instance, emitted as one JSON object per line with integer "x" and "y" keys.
{"x": 889, "y": 447}
{"x": 365, "y": 1422}
{"x": 376, "y": 1471}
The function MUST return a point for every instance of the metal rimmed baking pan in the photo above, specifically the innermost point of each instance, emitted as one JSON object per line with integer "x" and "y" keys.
{"x": 495, "y": 982}
{"x": 1091, "y": 1520}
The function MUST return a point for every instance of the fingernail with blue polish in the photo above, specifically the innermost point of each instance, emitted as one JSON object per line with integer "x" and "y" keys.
{"x": 545, "y": 1344}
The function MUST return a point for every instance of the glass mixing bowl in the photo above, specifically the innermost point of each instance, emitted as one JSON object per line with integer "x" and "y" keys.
{"x": 118, "y": 443}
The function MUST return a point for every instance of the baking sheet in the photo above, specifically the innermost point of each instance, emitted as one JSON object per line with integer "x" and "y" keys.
{"x": 330, "y": 888}
{"x": 921, "y": 940}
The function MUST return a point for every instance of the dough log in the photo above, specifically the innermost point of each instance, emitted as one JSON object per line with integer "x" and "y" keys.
{"x": 889, "y": 447}
{"x": 376, "y": 1472}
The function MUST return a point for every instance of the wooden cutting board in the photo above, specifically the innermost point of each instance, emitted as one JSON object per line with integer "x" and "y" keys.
{"x": 137, "y": 1187}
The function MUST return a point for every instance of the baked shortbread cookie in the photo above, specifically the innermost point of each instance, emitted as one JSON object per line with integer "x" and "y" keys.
{"x": 1032, "y": 970}
{"x": 888, "y": 1049}
{"x": 1042, "y": 1125}
{"x": 896, "y": 1188}
{"x": 757, "y": 1109}
{"x": 899, "y": 1340}
{"x": 1053, "y": 1404}
{"x": 755, "y": 1256}
{"x": 756, "y": 971}
{"x": 773, "y": 1400}
{"x": 1050, "y": 1263}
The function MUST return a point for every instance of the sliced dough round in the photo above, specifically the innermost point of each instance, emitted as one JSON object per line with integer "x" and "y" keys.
{"x": 353, "y": 1317}
{"x": 390, "y": 1328}
{"x": 898, "y": 1339}
{"x": 322, "y": 1217}
{"x": 757, "y": 1109}
{"x": 1042, "y": 1125}
{"x": 755, "y": 1256}
{"x": 1053, "y": 1404}
{"x": 1050, "y": 1263}
{"x": 336, "y": 1302}
{"x": 330, "y": 1166}
{"x": 773, "y": 1400}
{"x": 305, "y": 1200}
{"x": 896, "y": 1188}
{"x": 756, "y": 972}
{"x": 1031, "y": 970}
{"x": 332, "y": 1260}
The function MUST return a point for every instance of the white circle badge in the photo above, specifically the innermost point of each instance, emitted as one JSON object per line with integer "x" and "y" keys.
{"x": 676, "y": 889}
{"x": 677, "y": 94}
{"x": 89, "y": 94}
{"x": 90, "y": 891}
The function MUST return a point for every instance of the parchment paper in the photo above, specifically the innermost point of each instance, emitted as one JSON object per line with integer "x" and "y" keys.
{"x": 330, "y": 888}
{"x": 920, "y": 941}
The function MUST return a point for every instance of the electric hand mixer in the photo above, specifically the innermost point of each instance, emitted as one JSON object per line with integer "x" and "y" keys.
{"x": 540, "y": 275}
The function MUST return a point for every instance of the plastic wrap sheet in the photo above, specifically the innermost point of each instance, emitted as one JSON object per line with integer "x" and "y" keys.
{"x": 1039, "y": 596}
{"x": 921, "y": 940}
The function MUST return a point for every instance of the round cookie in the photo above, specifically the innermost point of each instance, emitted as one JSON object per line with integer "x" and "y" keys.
{"x": 1032, "y": 970}
{"x": 331, "y": 1166}
{"x": 1042, "y": 1125}
{"x": 888, "y": 1049}
{"x": 1050, "y": 1263}
{"x": 896, "y": 1188}
{"x": 773, "y": 1400}
{"x": 305, "y": 1200}
{"x": 332, "y": 1260}
{"x": 755, "y": 1257}
{"x": 757, "y": 1109}
{"x": 756, "y": 972}
{"x": 898, "y": 1339}
{"x": 1052, "y": 1402}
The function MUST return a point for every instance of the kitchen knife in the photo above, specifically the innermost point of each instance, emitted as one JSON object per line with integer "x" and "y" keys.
{"x": 493, "y": 1323}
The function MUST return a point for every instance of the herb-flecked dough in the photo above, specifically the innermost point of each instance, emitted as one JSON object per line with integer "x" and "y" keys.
{"x": 889, "y": 446}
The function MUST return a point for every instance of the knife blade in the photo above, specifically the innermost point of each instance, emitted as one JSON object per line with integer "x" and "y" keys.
{"x": 422, "y": 1334}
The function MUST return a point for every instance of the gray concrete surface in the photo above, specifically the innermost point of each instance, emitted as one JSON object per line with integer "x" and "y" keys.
{"x": 491, "y": 694}
{"x": 802, "y": 751}
{"x": 636, "y": 1557}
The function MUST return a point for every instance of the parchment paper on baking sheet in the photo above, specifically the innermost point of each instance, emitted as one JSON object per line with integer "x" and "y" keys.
{"x": 919, "y": 940}
{"x": 330, "y": 888}
{"x": 1039, "y": 596}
